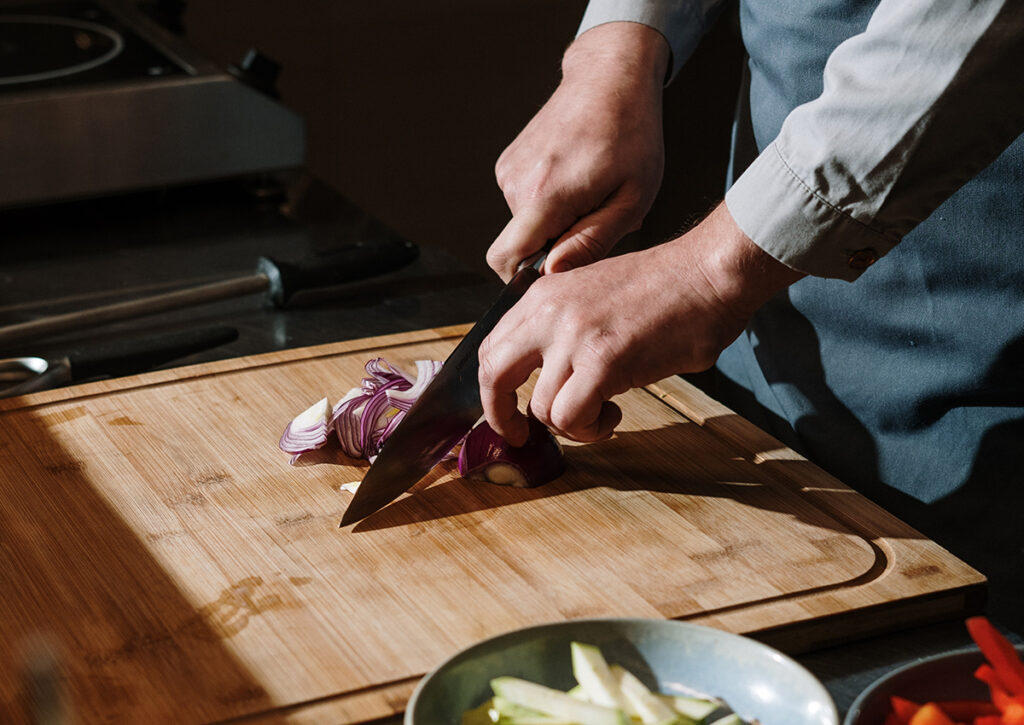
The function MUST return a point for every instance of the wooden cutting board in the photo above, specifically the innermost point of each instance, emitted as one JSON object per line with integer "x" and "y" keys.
{"x": 154, "y": 536}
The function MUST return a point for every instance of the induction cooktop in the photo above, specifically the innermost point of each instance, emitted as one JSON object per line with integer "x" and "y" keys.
{"x": 98, "y": 98}
{"x": 62, "y": 43}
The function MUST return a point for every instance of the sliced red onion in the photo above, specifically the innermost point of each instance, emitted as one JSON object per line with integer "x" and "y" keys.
{"x": 364, "y": 418}
{"x": 307, "y": 431}
{"x": 487, "y": 456}
{"x": 345, "y": 421}
{"x": 425, "y": 372}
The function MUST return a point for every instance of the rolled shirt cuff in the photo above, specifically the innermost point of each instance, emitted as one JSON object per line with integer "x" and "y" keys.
{"x": 682, "y": 23}
{"x": 795, "y": 225}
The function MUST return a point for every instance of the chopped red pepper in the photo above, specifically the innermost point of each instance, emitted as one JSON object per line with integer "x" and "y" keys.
{"x": 1014, "y": 713}
{"x": 1000, "y": 653}
{"x": 967, "y": 710}
{"x": 1003, "y": 672}
{"x": 988, "y": 720}
{"x": 987, "y": 674}
{"x": 930, "y": 714}
{"x": 903, "y": 708}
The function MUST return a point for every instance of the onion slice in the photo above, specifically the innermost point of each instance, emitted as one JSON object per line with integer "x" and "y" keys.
{"x": 366, "y": 415}
{"x": 487, "y": 456}
{"x": 307, "y": 431}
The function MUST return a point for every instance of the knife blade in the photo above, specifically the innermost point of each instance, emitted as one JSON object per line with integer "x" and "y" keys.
{"x": 446, "y": 411}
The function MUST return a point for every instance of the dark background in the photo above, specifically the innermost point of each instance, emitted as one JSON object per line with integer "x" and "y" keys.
{"x": 408, "y": 105}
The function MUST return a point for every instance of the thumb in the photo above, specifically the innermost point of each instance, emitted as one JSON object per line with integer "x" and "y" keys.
{"x": 591, "y": 238}
{"x": 527, "y": 232}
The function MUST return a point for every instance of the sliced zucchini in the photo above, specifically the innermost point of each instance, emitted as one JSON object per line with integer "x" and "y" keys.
{"x": 643, "y": 703}
{"x": 555, "y": 702}
{"x": 591, "y": 670}
{"x": 578, "y": 693}
{"x": 694, "y": 710}
{"x": 509, "y": 713}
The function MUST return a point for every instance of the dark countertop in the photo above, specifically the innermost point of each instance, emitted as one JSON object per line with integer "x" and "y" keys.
{"x": 84, "y": 254}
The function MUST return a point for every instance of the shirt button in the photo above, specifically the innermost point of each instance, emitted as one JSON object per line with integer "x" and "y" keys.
{"x": 862, "y": 258}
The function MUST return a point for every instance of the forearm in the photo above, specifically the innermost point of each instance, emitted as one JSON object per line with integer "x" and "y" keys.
{"x": 739, "y": 274}
{"x": 617, "y": 54}
{"x": 681, "y": 22}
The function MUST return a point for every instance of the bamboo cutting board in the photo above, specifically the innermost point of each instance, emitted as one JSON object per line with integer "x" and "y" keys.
{"x": 154, "y": 537}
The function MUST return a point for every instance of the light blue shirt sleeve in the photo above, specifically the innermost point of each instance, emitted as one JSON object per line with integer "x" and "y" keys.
{"x": 682, "y": 22}
{"x": 912, "y": 108}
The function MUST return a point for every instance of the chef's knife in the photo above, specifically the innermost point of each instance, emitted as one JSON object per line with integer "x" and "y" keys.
{"x": 445, "y": 412}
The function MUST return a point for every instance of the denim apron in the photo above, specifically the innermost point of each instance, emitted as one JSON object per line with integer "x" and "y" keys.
{"x": 907, "y": 384}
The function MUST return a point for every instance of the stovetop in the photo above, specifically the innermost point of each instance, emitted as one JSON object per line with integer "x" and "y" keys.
{"x": 60, "y": 44}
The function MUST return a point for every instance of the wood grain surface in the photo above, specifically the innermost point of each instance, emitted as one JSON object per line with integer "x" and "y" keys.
{"x": 157, "y": 543}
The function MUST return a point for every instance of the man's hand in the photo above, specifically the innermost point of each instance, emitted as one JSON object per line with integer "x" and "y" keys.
{"x": 623, "y": 322}
{"x": 586, "y": 169}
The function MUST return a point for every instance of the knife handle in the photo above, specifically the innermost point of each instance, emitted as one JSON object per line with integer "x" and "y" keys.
{"x": 536, "y": 260}
{"x": 349, "y": 263}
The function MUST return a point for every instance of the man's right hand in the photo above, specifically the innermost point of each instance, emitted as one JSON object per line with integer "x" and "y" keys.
{"x": 621, "y": 323}
{"x": 587, "y": 168}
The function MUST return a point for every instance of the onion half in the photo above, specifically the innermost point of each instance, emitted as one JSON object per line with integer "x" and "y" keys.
{"x": 487, "y": 456}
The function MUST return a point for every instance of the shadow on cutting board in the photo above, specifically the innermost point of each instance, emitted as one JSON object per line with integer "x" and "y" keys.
{"x": 93, "y": 627}
{"x": 676, "y": 461}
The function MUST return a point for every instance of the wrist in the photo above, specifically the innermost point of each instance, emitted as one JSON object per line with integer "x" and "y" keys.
{"x": 740, "y": 274}
{"x": 630, "y": 50}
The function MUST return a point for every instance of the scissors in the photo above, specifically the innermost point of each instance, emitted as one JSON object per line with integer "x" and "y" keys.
{"x": 23, "y": 375}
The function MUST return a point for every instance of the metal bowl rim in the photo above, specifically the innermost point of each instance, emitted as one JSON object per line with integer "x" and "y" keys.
{"x": 969, "y": 651}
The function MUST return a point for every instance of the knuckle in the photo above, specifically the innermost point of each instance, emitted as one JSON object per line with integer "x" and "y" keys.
{"x": 541, "y": 181}
{"x": 504, "y": 179}
{"x": 493, "y": 257}
{"x": 602, "y": 348}
{"x": 541, "y": 410}
{"x": 548, "y": 311}
{"x": 562, "y": 421}
{"x": 592, "y": 247}
{"x": 498, "y": 260}
{"x": 487, "y": 373}
{"x": 570, "y": 422}
{"x": 506, "y": 160}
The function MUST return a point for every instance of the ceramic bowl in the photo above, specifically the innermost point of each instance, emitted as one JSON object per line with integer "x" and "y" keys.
{"x": 948, "y": 676}
{"x": 669, "y": 656}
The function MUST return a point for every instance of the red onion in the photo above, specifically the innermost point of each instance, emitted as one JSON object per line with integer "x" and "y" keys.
{"x": 364, "y": 418}
{"x": 307, "y": 431}
{"x": 487, "y": 456}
